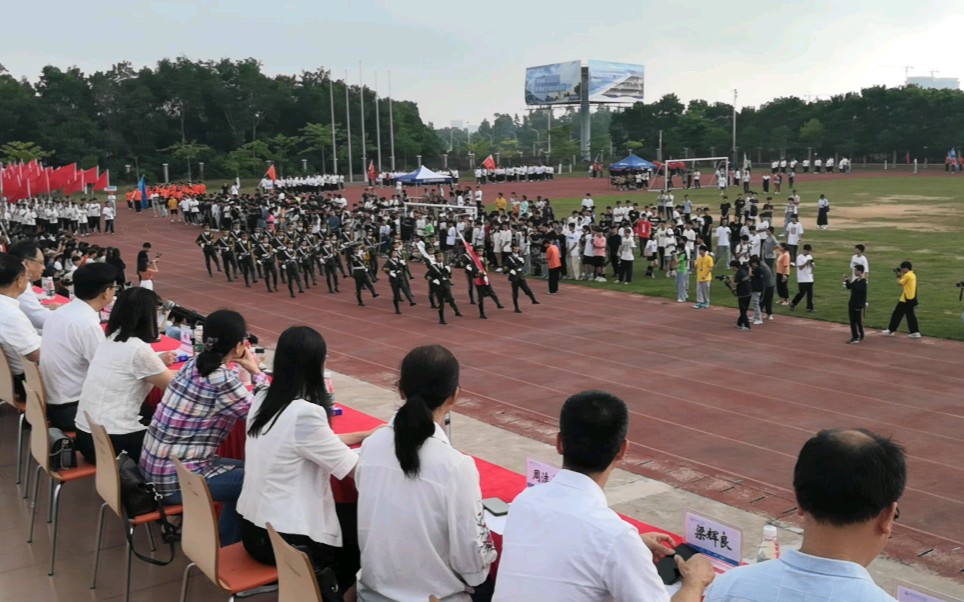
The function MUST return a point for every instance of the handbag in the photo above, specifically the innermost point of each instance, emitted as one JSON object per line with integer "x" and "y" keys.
{"x": 63, "y": 450}
{"x": 139, "y": 497}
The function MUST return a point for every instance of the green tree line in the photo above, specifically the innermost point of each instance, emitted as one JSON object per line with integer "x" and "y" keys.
{"x": 874, "y": 124}
{"x": 227, "y": 114}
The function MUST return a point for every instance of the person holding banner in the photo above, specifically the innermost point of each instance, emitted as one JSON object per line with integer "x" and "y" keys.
{"x": 483, "y": 288}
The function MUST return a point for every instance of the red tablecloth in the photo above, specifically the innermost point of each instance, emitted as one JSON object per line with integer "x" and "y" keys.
{"x": 45, "y": 301}
{"x": 166, "y": 344}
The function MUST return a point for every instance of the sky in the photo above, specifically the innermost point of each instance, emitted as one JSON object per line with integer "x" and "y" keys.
{"x": 466, "y": 61}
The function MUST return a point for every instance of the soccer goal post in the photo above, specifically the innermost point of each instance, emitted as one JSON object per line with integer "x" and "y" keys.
{"x": 695, "y": 172}
{"x": 436, "y": 209}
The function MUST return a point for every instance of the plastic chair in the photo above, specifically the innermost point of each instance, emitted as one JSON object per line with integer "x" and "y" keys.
{"x": 109, "y": 488}
{"x": 40, "y": 450}
{"x": 33, "y": 381}
{"x": 9, "y": 396}
{"x": 296, "y": 574}
{"x": 230, "y": 568}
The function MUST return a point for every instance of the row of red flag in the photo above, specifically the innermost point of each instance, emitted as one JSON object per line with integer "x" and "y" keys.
{"x": 25, "y": 180}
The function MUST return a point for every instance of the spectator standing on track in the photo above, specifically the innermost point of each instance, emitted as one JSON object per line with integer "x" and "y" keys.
{"x": 857, "y": 284}
{"x": 907, "y": 304}
{"x": 553, "y": 263}
{"x": 804, "y": 265}
{"x": 847, "y": 484}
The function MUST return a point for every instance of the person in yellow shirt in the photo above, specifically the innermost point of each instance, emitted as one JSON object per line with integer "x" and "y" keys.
{"x": 907, "y": 280}
{"x": 500, "y": 203}
{"x": 704, "y": 275}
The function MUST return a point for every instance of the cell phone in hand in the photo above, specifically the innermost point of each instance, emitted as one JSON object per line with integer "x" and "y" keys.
{"x": 667, "y": 568}
{"x": 495, "y": 506}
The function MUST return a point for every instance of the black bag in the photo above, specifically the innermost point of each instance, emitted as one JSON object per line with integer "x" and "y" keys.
{"x": 141, "y": 497}
{"x": 63, "y": 450}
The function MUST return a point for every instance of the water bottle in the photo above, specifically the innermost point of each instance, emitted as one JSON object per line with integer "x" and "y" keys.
{"x": 198, "y": 339}
{"x": 769, "y": 547}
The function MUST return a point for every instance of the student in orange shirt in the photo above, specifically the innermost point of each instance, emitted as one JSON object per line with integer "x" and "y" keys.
{"x": 554, "y": 263}
{"x": 783, "y": 274}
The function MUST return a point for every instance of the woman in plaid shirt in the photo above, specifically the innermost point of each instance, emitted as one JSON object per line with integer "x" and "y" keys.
{"x": 198, "y": 411}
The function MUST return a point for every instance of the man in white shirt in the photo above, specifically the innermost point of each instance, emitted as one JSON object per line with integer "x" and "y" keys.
{"x": 722, "y": 246}
{"x": 562, "y": 543}
{"x": 17, "y": 336}
{"x": 804, "y": 263}
{"x": 71, "y": 336}
{"x": 588, "y": 203}
{"x": 32, "y": 257}
{"x": 847, "y": 485}
{"x": 794, "y": 234}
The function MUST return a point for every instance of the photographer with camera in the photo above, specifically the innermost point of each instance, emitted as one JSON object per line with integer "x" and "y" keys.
{"x": 907, "y": 280}
{"x": 743, "y": 290}
{"x": 857, "y": 285}
{"x": 804, "y": 279}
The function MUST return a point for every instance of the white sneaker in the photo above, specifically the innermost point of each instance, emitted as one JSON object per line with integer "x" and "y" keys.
{"x": 887, "y": 332}
{"x": 600, "y": 279}
{"x": 758, "y": 321}
{"x": 914, "y": 335}
{"x": 770, "y": 317}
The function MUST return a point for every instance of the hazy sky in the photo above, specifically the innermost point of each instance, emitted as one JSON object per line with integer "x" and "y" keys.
{"x": 466, "y": 60}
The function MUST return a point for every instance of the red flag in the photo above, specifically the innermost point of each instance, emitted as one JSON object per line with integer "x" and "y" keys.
{"x": 271, "y": 174}
{"x": 471, "y": 252}
{"x": 103, "y": 181}
{"x": 372, "y": 172}
{"x": 89, "y": 177}
{"x": 489, "y": 163}
{"x": 907, "y": 157}
{"x": 63, "y": 175}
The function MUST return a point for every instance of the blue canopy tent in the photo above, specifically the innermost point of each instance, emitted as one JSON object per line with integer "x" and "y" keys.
{"x": 632, "y": 163}
{"x": 422, "y": 176}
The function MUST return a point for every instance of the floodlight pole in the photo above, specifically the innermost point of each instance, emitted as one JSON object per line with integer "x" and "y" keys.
{"x": 378, "y": 125}
{"x": 548, "y": 131}
{"x": 351, "y": 173}
{"x": 734, "y": 129}
{"x": 334, "y": 145}
{"x": 364, "y": 143}
{"x": 584, "y": 114}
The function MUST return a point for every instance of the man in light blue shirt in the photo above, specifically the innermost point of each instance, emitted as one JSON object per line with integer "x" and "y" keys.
{"x": 847, "y": 483}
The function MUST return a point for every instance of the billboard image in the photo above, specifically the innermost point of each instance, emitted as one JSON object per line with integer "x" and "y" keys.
{"x": 553, "y": 84}
{"x": 615, "y": 82}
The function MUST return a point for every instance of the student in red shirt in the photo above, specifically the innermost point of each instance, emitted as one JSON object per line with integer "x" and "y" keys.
{"x": 644, "y": 228}
{"x": 554, "y": 263}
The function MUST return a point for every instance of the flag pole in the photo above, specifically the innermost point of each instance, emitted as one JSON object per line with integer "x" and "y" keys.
{"x": 378, "y": 127}
{"x": 351, "y": 173}
{"x": 361, "y": 96}
{"x": 331, "y": 102}
{"x": 391, "y": 124}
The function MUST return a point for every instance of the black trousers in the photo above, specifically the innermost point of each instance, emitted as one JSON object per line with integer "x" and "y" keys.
{"x": 469, "y": 278}
{"x": 132, "y": 443}
{"x": 257, "y": 543}
{"x": 294, "y": 277}
{"x": 743, "y": 320}
{"x": 362, "y": 282}
{"x": 766, "y": 301}
{"x": 62, "y": 416}
{"x": 331, "y": 276}
{"x": 483, "y": 291}
{"x": 783, "y": 286}
{"x": 904, "y": 309}
{"x": 805, "y": 288}
{"x": 856, "y": 322}
{"x": 626, "y": 271}
{"x": 517, "y": 285}
{"x": 230, "y": 261}
{"x": 554, "y": 274}
{"x": 441, "y": 295}
{"x": 247, "y": 270}
{"x": 270, "y": 271}
{"x": 211, "y": 254}
{"x": 109, "y": 225}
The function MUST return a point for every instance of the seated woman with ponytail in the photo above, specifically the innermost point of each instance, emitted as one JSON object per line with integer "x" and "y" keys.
{"x": 198, "y": 411}
{"x": 420, "y": 524}
{"x": 292, "y": 454}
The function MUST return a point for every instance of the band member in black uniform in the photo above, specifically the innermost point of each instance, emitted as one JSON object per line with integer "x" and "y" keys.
{"x": 439, "y": 278}
{"x": 371, "y": 256}
{"x": 289, "y": 265}
{"x": 329, "y": 261}
{"x": 307, "y": 260}
{"x": 484, "y": 289}
{"x": 206, "y": 241}
{"x": 269, "y": 269}
{"x": 407, "y": 277}
{"x": 471, "y": 271}
{"x": 359, "y": 271}
{"x": 515, "y": 266}
{"x": 244, "y": 251}
{"x": 396, "y": 276}
{"x": 226, "y": 248}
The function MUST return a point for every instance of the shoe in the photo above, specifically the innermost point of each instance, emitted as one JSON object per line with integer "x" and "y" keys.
{"x": 483, "y": 317}
{"x": 443, "y": 322}
{"x": 698, "y": 306}
{"x": 757, "y": 322}
{"x": 458, "y": 314}
{"x": 600, "y": 279}
{"x": 793, "y": 307}
{"x": 770, "y": 317}
{"x": 412, "y": 304}
{"x": 887, "y": 332}
{"x": 681, "y": 300}
{"x": 375, "y": 295}
{"x": 398, "y": 311}
{"x": 914, "y": 335}
{"x": 853, "y": 341}
{"x": 518, "y": 311}
{"x": 536, "y": 303}
{"x": 500, "y": 306}
{"x": 810, "y": 311}
{"x": 744, "y": 328}
{"x": 861, "y": 337}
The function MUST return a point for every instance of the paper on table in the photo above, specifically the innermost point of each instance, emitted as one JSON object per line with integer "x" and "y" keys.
{"x": 496, "y": 524}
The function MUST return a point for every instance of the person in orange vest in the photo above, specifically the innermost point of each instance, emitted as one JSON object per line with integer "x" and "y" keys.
{"x": 554, "y": 263}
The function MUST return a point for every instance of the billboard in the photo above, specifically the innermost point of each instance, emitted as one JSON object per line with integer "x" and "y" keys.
{"x": 553, "y": 84}
{"x": 615, "y": 82}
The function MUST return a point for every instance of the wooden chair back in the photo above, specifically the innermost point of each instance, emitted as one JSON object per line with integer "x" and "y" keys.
{"x": 107, "y": 478}
{"x": 199, "y": 530}
{"x": 7, "y": 394}
{"x": 39, "y": 438}
{"x": 296, "y": 574}
{"x": 33, "y": 379}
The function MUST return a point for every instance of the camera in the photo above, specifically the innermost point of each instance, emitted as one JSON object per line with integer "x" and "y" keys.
{"x": 723, "y": 278}
{"x": 897, "y": 273}
{"x": 959, "y": 284}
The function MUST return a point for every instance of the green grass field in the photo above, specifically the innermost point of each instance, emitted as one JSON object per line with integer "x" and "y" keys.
{"x": 914, "y": 218}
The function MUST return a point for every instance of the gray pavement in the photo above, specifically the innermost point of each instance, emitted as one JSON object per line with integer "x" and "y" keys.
{"x": 635, "y": 496}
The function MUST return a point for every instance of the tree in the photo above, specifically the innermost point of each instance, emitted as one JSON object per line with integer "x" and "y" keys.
{"x": 17, "y": 151}
{"x": 188, "y": 152}
{"x": 316, "y": 139}
{"x": 812, "y": 133}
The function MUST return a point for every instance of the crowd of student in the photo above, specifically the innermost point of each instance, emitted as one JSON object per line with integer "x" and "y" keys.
{"x": 420, "y": 525}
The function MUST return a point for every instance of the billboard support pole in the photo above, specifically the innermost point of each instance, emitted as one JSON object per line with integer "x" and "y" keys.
{"x": 584, "y": 113}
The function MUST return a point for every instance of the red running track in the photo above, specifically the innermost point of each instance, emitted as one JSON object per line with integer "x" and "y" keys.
{"x": 715, "y": 411}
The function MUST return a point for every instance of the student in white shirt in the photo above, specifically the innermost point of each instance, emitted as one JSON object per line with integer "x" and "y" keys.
{"x": 123, "y": 371}
{"x": 17, "y": 336}
{"x": 71, "y": 337}
{"x": 804, "y": 263}
{"x": 562, "y": 542}
{"x": 420, "y": 524}
{"x": 291, "y": 454}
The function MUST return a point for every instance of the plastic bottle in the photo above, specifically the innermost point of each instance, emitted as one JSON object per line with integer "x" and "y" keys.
{"x": 198, "y": 339}
{"x": 769, "y": 548}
